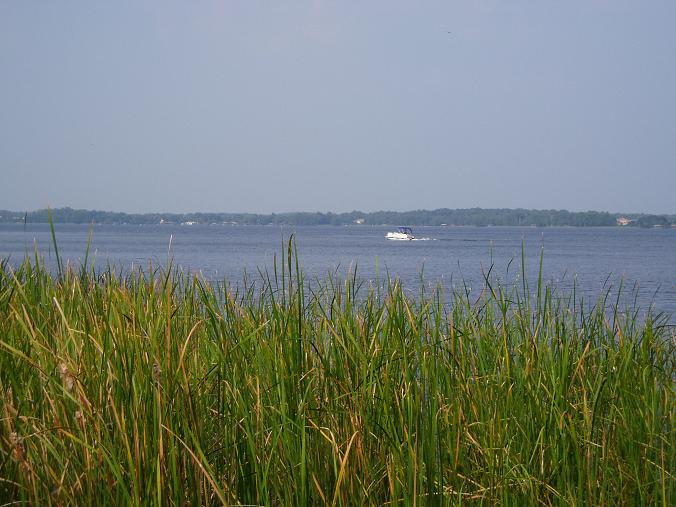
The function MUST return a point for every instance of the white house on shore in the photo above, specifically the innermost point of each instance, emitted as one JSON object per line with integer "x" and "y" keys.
{"x": 622, "y": 221}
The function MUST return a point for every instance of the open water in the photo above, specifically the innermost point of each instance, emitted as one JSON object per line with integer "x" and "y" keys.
{"x": 594, "y": 259}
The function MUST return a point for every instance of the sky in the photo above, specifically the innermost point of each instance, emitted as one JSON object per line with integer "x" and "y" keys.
{"x": 258, "y": 106}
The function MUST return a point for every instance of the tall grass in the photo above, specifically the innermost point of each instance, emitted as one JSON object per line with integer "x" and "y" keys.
{"x": 156, "y": 387}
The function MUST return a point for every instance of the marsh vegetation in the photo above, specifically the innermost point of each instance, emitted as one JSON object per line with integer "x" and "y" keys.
{"x": 155, "y": 387}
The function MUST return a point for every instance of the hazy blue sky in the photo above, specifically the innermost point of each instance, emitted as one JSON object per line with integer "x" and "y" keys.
{"x": 338, "y": 105}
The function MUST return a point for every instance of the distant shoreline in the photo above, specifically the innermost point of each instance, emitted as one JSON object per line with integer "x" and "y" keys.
{"x": 356, "y": 226}
{"x": 478, "y": 217}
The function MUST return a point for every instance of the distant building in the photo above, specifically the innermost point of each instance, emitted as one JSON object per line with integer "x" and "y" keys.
{"x": 622, "y": 221}
{"x": 359, "y": 221}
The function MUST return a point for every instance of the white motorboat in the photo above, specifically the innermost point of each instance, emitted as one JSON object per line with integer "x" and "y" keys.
{"x": 402, "y": 234}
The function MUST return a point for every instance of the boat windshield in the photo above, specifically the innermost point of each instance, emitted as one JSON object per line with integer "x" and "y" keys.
{"x": 406, "y": 230}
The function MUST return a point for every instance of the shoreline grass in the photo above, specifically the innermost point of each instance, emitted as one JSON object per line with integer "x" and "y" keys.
{"x": 159, "y": 388}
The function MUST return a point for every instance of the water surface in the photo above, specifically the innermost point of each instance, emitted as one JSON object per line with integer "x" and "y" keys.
{"x": 595, "y": 259}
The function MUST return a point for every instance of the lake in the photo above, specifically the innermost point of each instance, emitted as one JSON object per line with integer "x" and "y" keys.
{"x": 594, "y": 259}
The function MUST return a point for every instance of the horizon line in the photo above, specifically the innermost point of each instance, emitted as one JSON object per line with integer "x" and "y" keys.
{"x": 48, "y": 208}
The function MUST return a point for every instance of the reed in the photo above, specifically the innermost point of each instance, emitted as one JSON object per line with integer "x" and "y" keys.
{"x": 156, "y": 387}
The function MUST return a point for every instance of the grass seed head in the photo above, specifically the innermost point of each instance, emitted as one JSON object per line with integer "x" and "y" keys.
{"x": 157, "y": 371}
{"x": 79, "y": 417}
{"x": 18, "y": 449}
{"x": 66, "y": 377}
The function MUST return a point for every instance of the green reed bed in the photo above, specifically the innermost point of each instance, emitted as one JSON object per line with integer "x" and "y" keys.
{"x": 159, "y": 388}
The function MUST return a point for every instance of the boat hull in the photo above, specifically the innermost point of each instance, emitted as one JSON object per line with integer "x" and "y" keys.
{"x": 398, "y": 236}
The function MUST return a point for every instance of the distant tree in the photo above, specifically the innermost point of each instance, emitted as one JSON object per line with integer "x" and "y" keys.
{"x": 652, "y": 221}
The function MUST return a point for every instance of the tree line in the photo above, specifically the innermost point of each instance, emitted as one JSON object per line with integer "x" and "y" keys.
{"x": 437, "y": 217}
